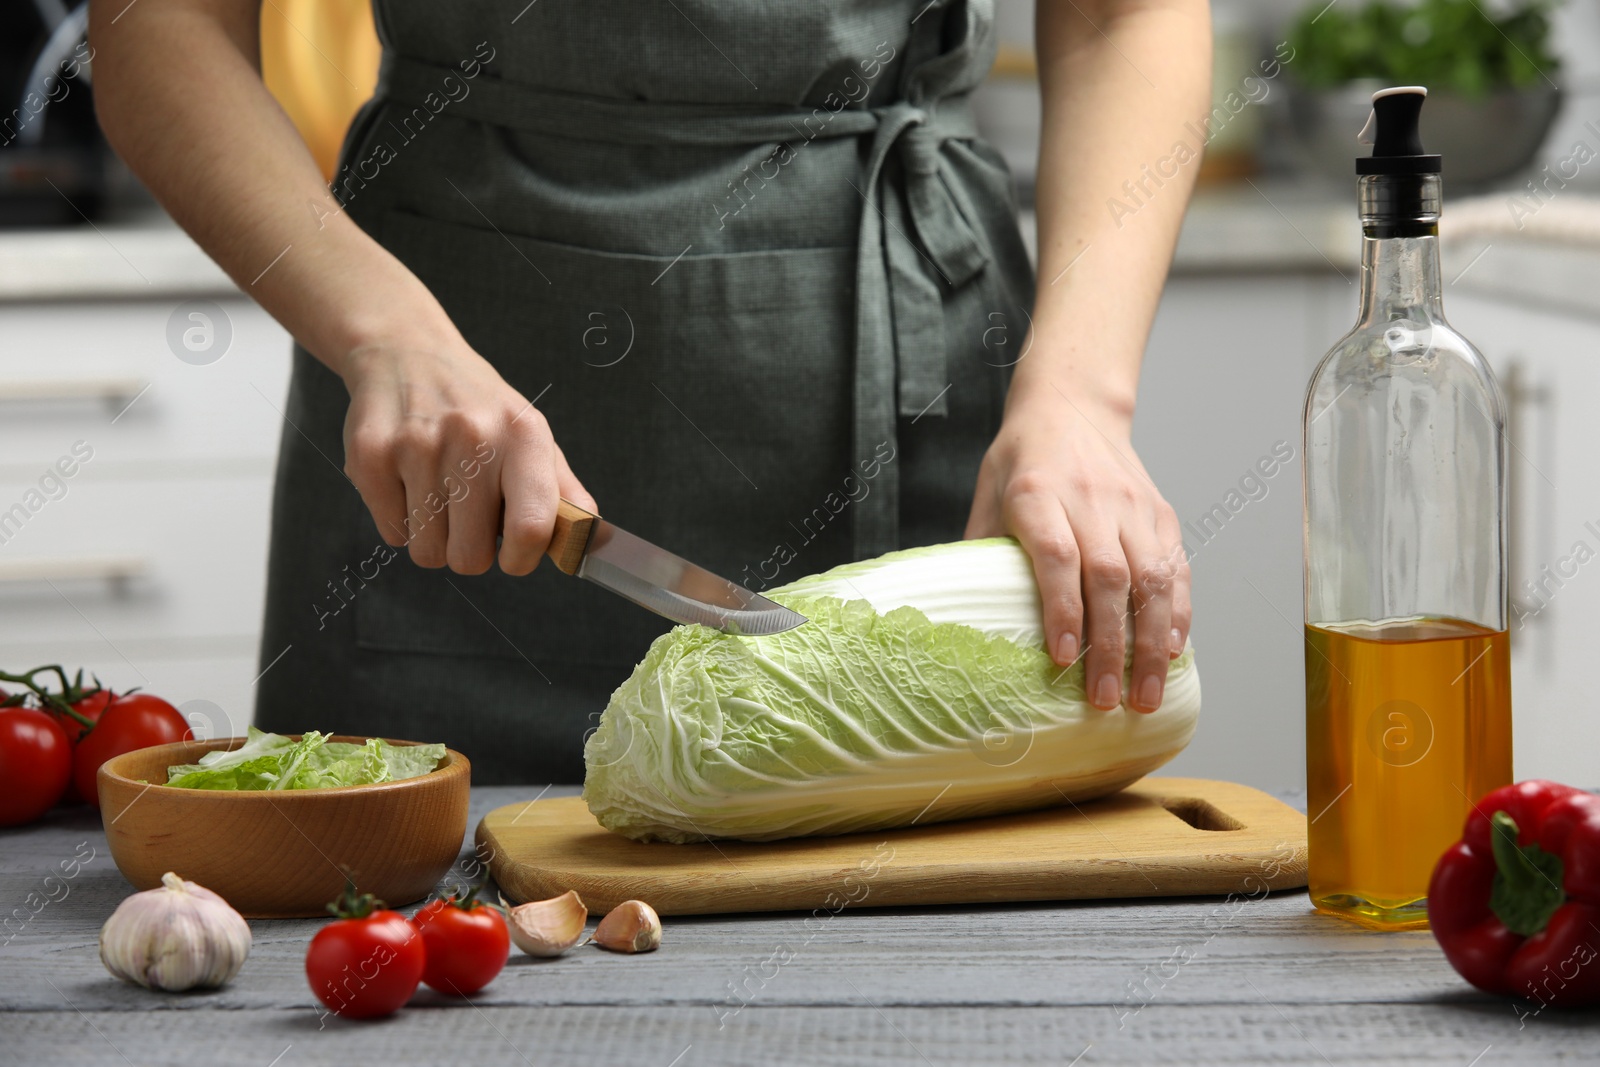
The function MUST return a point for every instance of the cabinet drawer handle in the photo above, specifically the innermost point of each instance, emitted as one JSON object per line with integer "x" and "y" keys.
{"x": 1522, "y": 398}
{"x": 114, "y": 391}
{"x": 118, "y": 571}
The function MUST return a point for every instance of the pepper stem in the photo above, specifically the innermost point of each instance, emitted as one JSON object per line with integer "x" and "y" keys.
{"x": 1527, "y": 882}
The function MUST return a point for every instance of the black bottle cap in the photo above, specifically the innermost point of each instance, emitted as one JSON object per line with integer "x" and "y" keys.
{"x": 1392, "y": 131}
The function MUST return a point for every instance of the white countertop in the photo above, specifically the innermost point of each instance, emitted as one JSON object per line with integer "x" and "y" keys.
{"x": 148, "y": 257}
{"x": 1549, "y": 258}
{"x": 1263, "y": 226}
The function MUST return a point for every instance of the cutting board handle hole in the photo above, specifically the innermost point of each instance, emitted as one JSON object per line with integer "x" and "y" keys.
{"x": 1201, "y": 814}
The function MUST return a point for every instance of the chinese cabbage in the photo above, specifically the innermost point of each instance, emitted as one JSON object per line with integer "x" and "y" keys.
{"x": 919, "y": 691}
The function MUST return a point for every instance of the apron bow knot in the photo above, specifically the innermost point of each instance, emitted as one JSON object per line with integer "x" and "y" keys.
{"x": 946, "y": 234}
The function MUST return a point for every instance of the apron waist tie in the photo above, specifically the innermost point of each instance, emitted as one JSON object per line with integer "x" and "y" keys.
{"x": 900, "y": 353}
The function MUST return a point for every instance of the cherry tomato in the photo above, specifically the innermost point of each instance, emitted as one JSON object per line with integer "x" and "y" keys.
{"x": 35, "y": 764}
{"x": 134, "y": 721}
{"x": 90, "y": 707}
{"x": 368, "y": 963}
{"x": 467, "y": 940}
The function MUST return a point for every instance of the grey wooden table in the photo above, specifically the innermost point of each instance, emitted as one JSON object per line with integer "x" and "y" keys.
{"x": 1188, "y": 981}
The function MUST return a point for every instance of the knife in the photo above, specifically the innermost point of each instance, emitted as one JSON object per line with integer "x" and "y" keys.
{"x": 588, "y": 546}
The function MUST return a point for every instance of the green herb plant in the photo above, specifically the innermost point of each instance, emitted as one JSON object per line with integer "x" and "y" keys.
{"x": 1470, "y": 47}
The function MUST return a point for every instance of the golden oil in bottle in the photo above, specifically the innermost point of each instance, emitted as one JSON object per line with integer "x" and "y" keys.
{"x": 1407, "y": 724}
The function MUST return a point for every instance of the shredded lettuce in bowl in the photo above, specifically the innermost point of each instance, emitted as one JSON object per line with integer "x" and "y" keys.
{"x": 272, "y": 762}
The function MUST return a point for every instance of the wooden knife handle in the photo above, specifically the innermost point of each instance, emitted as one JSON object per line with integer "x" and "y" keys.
{"x": 571, "y": 536}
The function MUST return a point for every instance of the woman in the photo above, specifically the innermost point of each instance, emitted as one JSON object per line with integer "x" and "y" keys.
{"x": 745, "y": 268}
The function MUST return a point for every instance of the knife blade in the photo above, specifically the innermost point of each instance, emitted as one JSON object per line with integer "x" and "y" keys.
{"x": 588, "y": 546}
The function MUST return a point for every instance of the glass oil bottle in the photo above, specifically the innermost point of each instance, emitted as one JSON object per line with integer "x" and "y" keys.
{"x": 1407, "y": 657}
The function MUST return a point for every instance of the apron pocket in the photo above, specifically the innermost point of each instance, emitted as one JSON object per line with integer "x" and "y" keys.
{"x": 703, "y": 400}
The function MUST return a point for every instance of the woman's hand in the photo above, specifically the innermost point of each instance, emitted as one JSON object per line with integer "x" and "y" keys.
{"x": 447, "y": 456}
{"x": 1062, "y": 478}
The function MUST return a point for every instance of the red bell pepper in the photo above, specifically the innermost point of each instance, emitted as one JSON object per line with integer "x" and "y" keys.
{"x": 1515, "y": 904}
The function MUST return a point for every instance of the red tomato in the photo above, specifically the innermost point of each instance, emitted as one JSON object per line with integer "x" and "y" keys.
{"x": 368, "y": 963}
{"x": 35, "y": 764}
{"x": 134, "y": 721}
{"x": 468, "y": 943}
{"x": 90, "y": 707}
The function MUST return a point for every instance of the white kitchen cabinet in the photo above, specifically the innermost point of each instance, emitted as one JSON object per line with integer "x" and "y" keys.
{"x": 1223, "y": 383}
{"x": 1545, "y": 359}
{"x": 104, "y": 372}
{"x": 130, "y": 558}
{"x": 145, "y": 565}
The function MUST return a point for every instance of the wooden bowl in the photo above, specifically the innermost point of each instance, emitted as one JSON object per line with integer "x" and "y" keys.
{"x": 283, "y": 855}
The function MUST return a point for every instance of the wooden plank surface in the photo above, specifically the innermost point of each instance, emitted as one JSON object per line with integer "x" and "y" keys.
{"x": 1159, "y": 837}
{"x": 1178, "y": 980}
{"x": 855, "y": 1033}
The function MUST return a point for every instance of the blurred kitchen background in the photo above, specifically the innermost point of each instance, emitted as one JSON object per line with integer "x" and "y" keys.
{"x": 127, "y": 357}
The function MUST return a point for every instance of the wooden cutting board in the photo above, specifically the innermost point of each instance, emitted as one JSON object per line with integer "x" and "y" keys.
{"x": 1159, "y": 837}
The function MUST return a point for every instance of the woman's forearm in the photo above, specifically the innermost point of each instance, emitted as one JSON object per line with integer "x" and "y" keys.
{"x": 179, "y": 92}
{"x": 1119, "y": 80}
{"x": 199, "y": 127}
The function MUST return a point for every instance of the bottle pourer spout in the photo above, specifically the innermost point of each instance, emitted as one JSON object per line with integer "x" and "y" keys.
{"x": 1392, "y": 130}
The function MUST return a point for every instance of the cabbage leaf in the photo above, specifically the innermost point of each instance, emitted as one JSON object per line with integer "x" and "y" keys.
{"x": 271, "y": 761}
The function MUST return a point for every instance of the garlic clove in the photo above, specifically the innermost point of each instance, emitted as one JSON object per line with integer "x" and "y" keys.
{"x": 632, "y": 926}
{"x": 180, "y": 936}
{"x": 548, "y": 927}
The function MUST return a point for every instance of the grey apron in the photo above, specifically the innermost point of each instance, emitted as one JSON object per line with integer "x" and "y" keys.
{"x": 750, "y": 261}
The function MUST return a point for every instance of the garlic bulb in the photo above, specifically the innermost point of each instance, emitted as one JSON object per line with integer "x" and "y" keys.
{"x": 631, "y": 926}
{"x": 548, "y": 927}
{"x": 181, "y": 936}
